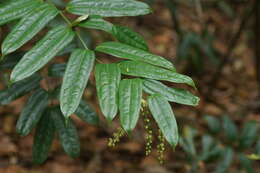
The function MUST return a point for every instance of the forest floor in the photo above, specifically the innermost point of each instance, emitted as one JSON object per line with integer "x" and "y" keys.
{"x": 235, "y": 95}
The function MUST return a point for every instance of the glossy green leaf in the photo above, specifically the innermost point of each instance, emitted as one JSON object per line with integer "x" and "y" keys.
{"x": 19, "y": 89}
{"x": 96, "y": 22}
{"x": 164, "y": 117}
{"x": 129, "y": 37}
{"x": 140, "y": 69}
{"x": 130, "y": 96}
{"x": 177, "y": 95}
{"x": 59, "y": 3}
{"x": 229, "y": 128}
{"x": 249, "y": 134}
{"x": 213, "y": 124}
{"x": 42, "y": 52}
{"x": 68, "y": 49}
{"x": 57, "y": 70}
{"x": 32, "y": 112}
{"x": 225, "y": 163}
{"x": 43, "y": 138}
{"x": 75, "y": 80}
{"x": 28, "y": 27}
{"x": 121, "y": 50}
{"x": 108, "y": 8}
{"x": 86, "y": 113}
{"x": 107, "y": 82}
{"x": 67, "y": 132}
{"x": 15, "y": 9}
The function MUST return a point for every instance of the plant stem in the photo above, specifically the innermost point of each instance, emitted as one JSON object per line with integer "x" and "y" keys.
{"x": 65, "y": 18}
{"x": 81, "y": 40}
{"x": 77, "y": 32}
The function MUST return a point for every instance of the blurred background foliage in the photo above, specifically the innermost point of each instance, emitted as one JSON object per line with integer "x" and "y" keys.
{"x": 214, "y": 41}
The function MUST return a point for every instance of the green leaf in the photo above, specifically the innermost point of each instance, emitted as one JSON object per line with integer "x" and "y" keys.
{"x": 121, "y": 50}
{"x": 67, "y": 133}
{"x": 210, "y": 150}
{"x": 42, "y": 52}
{"x": 127, "y": 36}
{"x": 107, "y": 82}
{"x": 59, "y": 3}
{"x": 213, "y": 123}
{"x": 187, "y": 141}
{"x": 246, "y": 163}
{"x": 85, "y": 38}
{"x": 15, "y": 9}
{"x": 32, "y": 112}
{"x": 105, "y": 8}
{"x": 43, "y": 138}
{"x": 96, "y": 22}
{"x": 229, "y": 128}
{"x": 130, "y": 96}
{"x": 249, "y": 134}
{"x": 177, "y": 95}
{"x": 19, "y": 89}
{"x": 253, "y": 156}
{"x": 57, "y": 70}
{"x": 226, "y": 161}
{"x": 140, "y": 69}
{"x": 164, "y": 117}
{"x": 28, "y": 27}
{"x": 75, "y": 80}
{"x": 86, "y": 113}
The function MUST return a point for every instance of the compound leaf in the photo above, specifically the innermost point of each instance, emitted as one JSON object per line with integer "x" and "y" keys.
{"x": 229, "y": 128}
{"x": 130, "y": 95}
{"x": 249, "y": 134}
{"x": 107, "y": 82}
{"x": 28, "y": 27}
{"x": 67, "y": 133}
{"x": 133, "y": 68}
{"x": 176, "y": 95}
{"x": 57, "y": 70}
{"x": 121, "y": 50}
{"x": 105, "y": 8}
{"x": 225, "y": 163}
{"x": 213, "y": 124}
{"x": 16, "y": 9}
{"x": 127, "y": 36}
{"x": 246, "y": 163}
{"x": 19, "y": 89}
{"x": 11, "y": 60}
{"x": 163, "y": 115}
{"x": 42, "y": 52}
{"x": 32, "y": 112}
{"x": 43, "y": 138}
{"x": 96, "y": 22}
{"x": 75, "y": 80}
{"x": 86, "y": 113}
